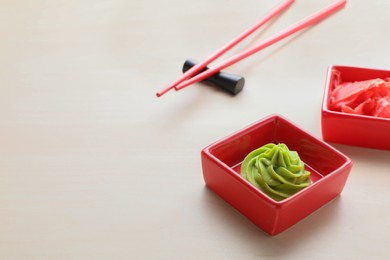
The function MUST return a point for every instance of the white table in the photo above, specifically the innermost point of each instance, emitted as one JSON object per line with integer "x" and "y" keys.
{"x": 94, "y": 166}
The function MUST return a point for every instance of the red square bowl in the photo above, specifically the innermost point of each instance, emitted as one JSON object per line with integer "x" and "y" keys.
{"x": 221, "y": 162}
{"x": 351, "y": 129}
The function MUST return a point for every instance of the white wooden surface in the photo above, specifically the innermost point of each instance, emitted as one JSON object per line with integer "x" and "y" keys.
{"x": 94, "y": 166}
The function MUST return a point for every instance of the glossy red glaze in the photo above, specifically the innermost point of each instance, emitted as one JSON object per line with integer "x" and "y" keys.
{"x": 221, "y": 171}
{"x": 351, "y": 129}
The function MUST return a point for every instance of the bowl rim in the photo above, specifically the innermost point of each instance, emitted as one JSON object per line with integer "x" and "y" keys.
{"x": 241, "y": 132}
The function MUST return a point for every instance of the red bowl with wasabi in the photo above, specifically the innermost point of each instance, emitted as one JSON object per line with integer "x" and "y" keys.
{"x": 222, "y": 161}
{"x": 349, "y": 114}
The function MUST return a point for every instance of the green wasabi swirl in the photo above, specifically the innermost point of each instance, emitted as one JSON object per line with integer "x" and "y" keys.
{"x": 275, "y": 170}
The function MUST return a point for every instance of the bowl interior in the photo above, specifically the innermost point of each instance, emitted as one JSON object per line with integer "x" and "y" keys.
{"x": 319, "y": 158}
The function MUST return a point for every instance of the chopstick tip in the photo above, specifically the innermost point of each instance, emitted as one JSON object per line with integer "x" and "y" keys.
{"x": 162, "y": 92}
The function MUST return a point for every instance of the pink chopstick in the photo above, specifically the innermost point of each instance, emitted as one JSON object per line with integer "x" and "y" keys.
{"x": 197, "y": 68}
{"x": 316, "y": 17}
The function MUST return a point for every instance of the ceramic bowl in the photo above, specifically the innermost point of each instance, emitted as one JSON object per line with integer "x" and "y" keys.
{"x": 352, "y": 129}
{"x": 221, "y": 163}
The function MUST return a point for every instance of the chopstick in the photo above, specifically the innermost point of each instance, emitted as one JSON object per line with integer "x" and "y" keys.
{"x": 316, "y": 17}
{"x": 197, "y": 68}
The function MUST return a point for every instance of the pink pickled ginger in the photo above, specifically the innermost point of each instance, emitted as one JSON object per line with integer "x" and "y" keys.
{"x": 369, "y": 97}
